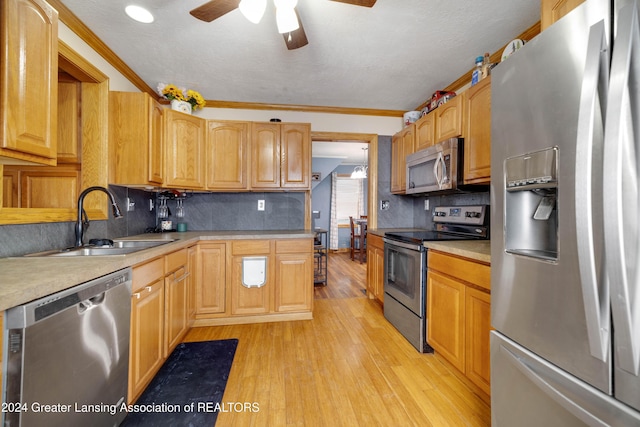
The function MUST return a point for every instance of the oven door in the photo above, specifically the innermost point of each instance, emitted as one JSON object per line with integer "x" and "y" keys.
{"x": 404, "y": 271}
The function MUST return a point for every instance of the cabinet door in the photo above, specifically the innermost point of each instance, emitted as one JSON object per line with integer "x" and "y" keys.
{"x": 402, "y": 144}
{"x": 425, "y": 131}
{"x": 295, "y": 150}
{"x": 478, "y": 326}
{"x": 211, "y": 281}
{"x": 445, "y": 318}
{"x": 147, "y": 333}
{"x": 227, "y": 156}
{"x": 184, "y": 156}
{"x": 552, "y": 10}
{"x": 449, "y": 118}
{"x": 294, "y": 282}
{"x": 49, "y": 187}
{"x": 156, "y": 142}
{"x": 246, "y": 301}
{"x": 265, "y": 155}
{"x": 192, "y": 280}
{"x": 176, "y": 301}
{"x": 477, "y": 138}
{"x": 396, "y": 166}
{"x": 28, "y": 95}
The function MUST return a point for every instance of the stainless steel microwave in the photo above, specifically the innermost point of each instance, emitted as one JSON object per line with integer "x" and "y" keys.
{"x": 436, "y": 169}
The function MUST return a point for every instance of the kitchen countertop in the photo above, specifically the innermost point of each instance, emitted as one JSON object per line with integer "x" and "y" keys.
{"x": 476, "y": 250}
{"x": 25, "y": 279}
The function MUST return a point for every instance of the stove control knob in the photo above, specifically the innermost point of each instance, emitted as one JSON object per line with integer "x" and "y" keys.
{"x": 439, "y": 213}
{"x": 472, "y": 214}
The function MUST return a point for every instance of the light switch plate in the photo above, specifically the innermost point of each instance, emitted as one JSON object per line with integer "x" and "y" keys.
{"x": 260, "y": 205}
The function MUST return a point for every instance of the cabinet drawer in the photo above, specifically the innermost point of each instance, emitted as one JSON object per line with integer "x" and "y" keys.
{"x": 373, "y": 240}
{"x": 147, "y": 273}
{"x": 294, "y": 246}
{"x": 175, "y": 260}
{"x": 468, "y": 271}
{"x": 250, "y": 247}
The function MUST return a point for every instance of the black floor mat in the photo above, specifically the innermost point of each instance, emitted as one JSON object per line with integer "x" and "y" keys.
{"x": 187, "y": 388}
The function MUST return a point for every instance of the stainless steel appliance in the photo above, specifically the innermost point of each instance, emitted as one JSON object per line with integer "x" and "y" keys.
{"x": 565, "y": 275}
{"x": 405, "y": 267}
{"x": 70, "y": 351}
{"x": 435, "y": 169}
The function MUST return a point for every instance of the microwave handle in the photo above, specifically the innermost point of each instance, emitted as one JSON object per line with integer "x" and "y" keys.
{"x": 437, "y": 170}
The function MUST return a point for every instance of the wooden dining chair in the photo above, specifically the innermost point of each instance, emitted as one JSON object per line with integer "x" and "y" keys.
{"x": 355, "y": 237}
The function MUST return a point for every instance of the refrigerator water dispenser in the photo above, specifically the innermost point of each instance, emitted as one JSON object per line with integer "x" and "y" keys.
{"x": 531, "y": 212}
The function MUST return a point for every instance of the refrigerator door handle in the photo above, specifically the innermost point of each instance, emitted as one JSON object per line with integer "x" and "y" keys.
{"x": 621, "y": 201}
{"x": 590, "y": 134}
{"x": 552, "y": 388}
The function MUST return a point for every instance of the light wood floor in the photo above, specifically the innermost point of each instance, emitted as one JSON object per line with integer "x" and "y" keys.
{"x": 346, "y": 367}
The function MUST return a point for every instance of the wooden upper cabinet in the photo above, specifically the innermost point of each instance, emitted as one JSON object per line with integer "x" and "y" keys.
{"x": 280, "y": 156}
{"x": 265, "y": 155}
{"x": 449, "y": 118}
{"x": 135, "y": 139}
{"x": 227, "y": 155}
{"x": 28, "y": 89}
{"x": 552, "y": 10}
{"x": 295, "y": 151}
{"x": 184, "y": 139}
{"x": 425, "y": 132}
{"x": 402, "y": 144}
{"x": 69, "y": 99}
{"x": 477, "y": 136}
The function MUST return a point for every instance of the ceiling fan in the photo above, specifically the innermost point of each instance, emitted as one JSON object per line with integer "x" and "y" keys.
{"x": 294, "y": 37}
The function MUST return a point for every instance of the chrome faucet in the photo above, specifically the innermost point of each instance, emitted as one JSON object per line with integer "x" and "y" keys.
{"x": 82, "y": 224}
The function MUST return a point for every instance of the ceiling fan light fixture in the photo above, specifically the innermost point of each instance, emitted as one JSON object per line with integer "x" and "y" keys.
{"x": 286, "y": 19}
{"x": 139, "y": 14}
{"x": 253, "y": 10}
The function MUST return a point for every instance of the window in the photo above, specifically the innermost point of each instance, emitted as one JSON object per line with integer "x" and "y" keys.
{"x": 349, "y": 199}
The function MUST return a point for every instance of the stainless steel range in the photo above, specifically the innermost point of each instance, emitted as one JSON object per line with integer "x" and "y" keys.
{"x": 405, "y": 267}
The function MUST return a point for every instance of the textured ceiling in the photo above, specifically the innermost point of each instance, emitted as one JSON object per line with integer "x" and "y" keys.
{"x": 391, "y": 57}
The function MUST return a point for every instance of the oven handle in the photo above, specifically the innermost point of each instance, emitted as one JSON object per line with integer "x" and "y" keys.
{"x": 410, "y": 246}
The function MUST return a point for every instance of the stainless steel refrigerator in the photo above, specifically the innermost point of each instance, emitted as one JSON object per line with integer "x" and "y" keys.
{"x": 565, "y": 246}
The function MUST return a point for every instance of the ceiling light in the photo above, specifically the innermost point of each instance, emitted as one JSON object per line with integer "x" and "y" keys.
{"x": 286, "y": 16}
{"x": 139, "y": 14}
{"x": 253, "y": 9}
{"x": 360, "y": 171}
{"x": 287, "y": 20}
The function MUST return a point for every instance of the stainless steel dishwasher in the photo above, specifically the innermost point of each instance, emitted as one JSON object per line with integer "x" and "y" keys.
{"x": 67, "y": 356}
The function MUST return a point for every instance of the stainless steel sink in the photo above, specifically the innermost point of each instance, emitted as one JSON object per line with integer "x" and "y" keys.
{"x": 120, "y": 247}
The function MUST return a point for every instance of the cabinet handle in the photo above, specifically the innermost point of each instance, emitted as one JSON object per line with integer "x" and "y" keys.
{"x": 137, "y": 295}
{"x": 149, "y": 288}
{"x": 181, "y": 278}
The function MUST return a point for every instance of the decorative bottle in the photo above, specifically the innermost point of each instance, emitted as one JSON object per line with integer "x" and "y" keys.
{"x": 476, "y": 76}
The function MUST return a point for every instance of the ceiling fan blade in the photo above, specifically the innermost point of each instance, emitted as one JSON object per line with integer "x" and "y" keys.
{"x": 214, "y": 9}
{"x": 297, "y": 38}
{"x": 365, "y": 3}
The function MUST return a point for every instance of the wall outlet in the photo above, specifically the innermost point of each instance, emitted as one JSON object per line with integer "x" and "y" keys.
{"x": 384, "y": 205}
{"x": 426, "y": 204}
{"x": 131, "y": 206}
{"x": 260, "y": 205}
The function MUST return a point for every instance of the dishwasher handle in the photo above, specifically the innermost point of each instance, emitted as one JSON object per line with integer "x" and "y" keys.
{"x": 92, "y": 302}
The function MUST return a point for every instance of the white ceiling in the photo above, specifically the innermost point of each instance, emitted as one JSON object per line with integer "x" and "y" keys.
{"x": 392, "y": 56}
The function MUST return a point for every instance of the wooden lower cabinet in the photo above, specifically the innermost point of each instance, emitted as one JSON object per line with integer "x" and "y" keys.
{"x": 375, "y": 267}
{"x": 459, "y": 314}
{"x": 477, "y": 327}
{"x": 192, "y": 281}
{"x": 211, "y": 279}
{"x": 255, "y": 299}
{"x": 445, "y": 308}
{"x": 146, "y": 353}
{"x": 159, "y": 316}
{"x": 1, "y": 348}
{"x": 294, "y": 272}
{"x": 176, "y": 323}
